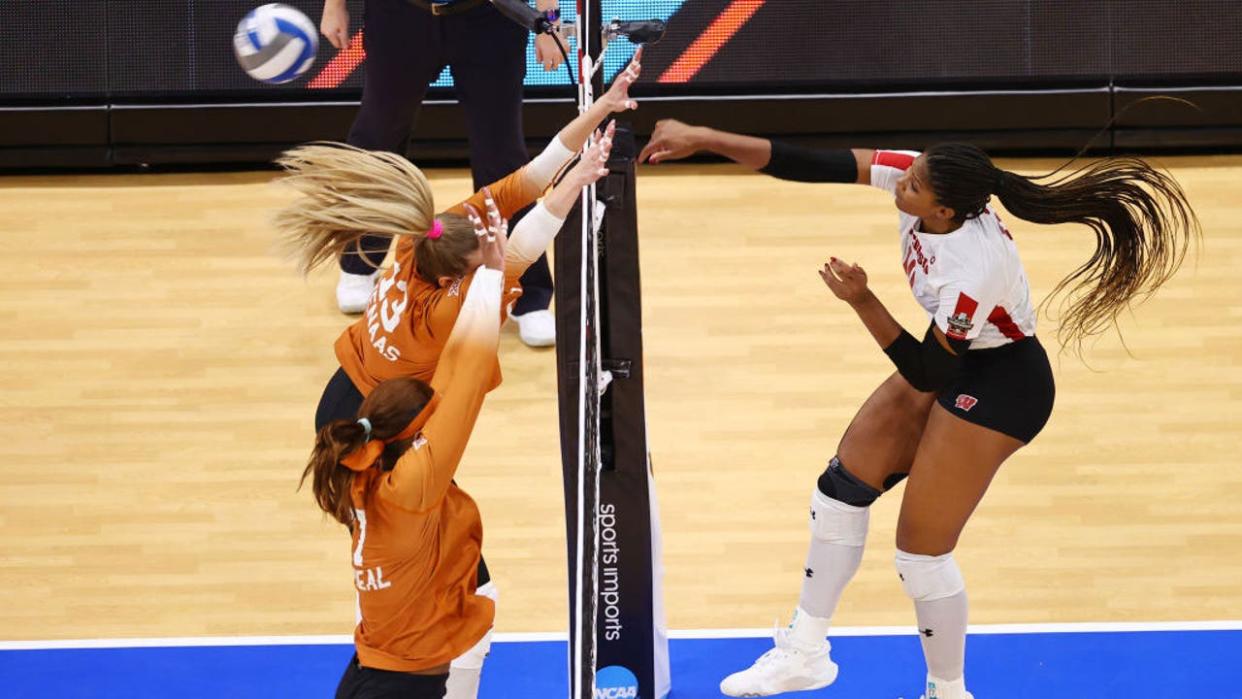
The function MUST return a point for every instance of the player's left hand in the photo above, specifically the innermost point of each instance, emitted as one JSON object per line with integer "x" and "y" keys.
{"x": 546, "y": 51}
{"x": 495, "y": 225}
{"x": 493, "y": 233}
{"x": 847, "y": 282}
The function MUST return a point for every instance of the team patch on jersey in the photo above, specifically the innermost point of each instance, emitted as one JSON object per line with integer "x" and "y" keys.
{"x": 959, "y": 326}
{"x": 965, "y": 402}
{"x": 962, "y": 320}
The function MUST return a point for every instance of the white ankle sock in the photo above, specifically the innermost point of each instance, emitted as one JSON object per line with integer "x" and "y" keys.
{"x": 946, "y": 689}
{"x": 808, "y": 631}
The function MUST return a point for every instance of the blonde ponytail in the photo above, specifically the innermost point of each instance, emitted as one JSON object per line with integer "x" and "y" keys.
{"x": 345, "y": 193}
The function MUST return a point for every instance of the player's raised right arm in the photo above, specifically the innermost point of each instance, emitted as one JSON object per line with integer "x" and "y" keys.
{"x": 570, "y": 139}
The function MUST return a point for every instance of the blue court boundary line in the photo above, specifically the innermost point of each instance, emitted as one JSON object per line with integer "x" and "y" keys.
{"x": 687, "y": 634}
{"x": 1163, "y": 660}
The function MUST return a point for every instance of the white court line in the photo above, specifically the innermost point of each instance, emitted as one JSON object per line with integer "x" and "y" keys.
{"x": 983, "y": 629}
{"x": 527, "y": 637}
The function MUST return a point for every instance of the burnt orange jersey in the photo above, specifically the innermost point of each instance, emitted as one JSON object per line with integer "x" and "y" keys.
{"x": 408, "y": 319}
{"x": 417, "y": 536}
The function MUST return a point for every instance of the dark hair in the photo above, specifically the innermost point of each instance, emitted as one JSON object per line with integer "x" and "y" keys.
{"x": 390, "y": 408}
{"x": 1142, "y": 223}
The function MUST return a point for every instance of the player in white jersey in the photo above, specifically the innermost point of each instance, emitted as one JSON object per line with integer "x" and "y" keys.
{"x": 977, "y": 387}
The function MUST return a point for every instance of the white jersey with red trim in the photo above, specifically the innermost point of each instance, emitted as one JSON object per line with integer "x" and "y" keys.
{"x": 970, "y": 281}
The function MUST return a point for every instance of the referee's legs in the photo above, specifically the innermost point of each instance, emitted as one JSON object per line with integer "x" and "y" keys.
{"x": 403, "y": 57}
{"x": 489, "y": 66}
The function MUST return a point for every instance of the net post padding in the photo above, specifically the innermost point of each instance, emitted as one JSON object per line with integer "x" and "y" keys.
{"x": 619, "y": 543}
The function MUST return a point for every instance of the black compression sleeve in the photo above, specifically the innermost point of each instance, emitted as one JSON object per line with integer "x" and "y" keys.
{"x": 806, "y": 165}
{"x": 927, "y": 365}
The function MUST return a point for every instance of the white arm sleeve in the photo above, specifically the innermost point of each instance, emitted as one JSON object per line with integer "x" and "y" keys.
{"x": 531, "y": 236}
{"x": 544, "y": 167}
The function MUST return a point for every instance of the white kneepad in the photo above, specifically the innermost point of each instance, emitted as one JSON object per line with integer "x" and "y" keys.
{"x": 488, "y": 590}
{"x": 929, "y": 578}
{"x": 836, "y": 522}
{"x": 473, "y": 658}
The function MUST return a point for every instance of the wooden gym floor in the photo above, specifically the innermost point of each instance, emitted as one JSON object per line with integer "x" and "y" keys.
{"x": 160, "y": 365}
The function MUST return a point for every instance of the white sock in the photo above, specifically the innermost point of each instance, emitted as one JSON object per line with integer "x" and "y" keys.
{"x": 942, "y": 629}
{"x": 466, "y": 670}
{"x": 946, "y": 689}
{"x": 808, "y": 631}
{"x": 463, "y": 683}
{"x": 838, "y": 533}
{"x": 935, "y": 584}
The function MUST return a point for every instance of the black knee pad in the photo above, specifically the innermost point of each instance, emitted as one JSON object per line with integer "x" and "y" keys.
{"x": 893, "y": 479}
{"x": 843, "y": 486}
{"x": 485, "y": 575}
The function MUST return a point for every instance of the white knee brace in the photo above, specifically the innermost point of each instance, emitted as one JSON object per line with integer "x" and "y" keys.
{"x": 473, "y": 658}
{"x": 929, "y": 578}
{"x": 835, "y": 522}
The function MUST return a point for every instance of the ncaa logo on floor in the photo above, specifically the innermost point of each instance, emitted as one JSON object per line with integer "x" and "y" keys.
{"x": 615, "y": 682}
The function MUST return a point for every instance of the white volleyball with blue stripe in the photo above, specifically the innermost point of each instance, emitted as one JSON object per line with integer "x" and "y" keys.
{"x": 275, "y": 43}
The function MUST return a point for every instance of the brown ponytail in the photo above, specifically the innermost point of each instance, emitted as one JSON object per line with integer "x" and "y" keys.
{"x": 390, "y": 408}
{"x": 1142, "y": 222}
{"x": 331, "y": 480}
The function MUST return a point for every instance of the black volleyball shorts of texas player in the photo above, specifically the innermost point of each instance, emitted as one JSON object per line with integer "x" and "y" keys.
{"x": 1008, "y": 389}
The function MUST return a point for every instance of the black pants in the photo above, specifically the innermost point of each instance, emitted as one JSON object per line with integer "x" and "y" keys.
{"x": 340, "y": 401}
{"x": 360, "y": 682}
{"x": 407, "y": 49}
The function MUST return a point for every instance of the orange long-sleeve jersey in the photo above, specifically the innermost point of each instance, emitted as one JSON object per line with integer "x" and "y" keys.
{"x": 417, "y": 536}
{"x": 408, "y": 319}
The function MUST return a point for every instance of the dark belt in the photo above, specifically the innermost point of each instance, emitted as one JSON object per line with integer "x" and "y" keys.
{"x": 456, "y": 8}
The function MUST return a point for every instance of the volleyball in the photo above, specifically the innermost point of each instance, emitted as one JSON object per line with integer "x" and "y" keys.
{"x": 275, "y": 43}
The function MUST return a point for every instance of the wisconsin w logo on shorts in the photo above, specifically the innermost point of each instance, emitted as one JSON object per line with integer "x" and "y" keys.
{"x": 965, "y": 402}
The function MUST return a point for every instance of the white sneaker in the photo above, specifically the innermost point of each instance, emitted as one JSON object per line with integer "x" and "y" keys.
{"x": 537, "y": 328}
{"x": 943, "y": 689}
{"x": 353, "y": 291}
{"x": 785, "y": 668}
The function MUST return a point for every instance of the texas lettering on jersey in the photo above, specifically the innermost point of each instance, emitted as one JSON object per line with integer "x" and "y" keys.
{"x": 384, "y": 313}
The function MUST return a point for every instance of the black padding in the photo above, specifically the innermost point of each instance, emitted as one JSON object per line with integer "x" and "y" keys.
{"x": 893, "y": 479}
{"x": 807, "y": 165}
{"x": 927, "y": 366}
{"x": 843, "y": 486}
{"x": 485, "y": 575}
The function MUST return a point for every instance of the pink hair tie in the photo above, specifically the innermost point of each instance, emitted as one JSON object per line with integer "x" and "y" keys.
{"x": 437, "y": 230}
